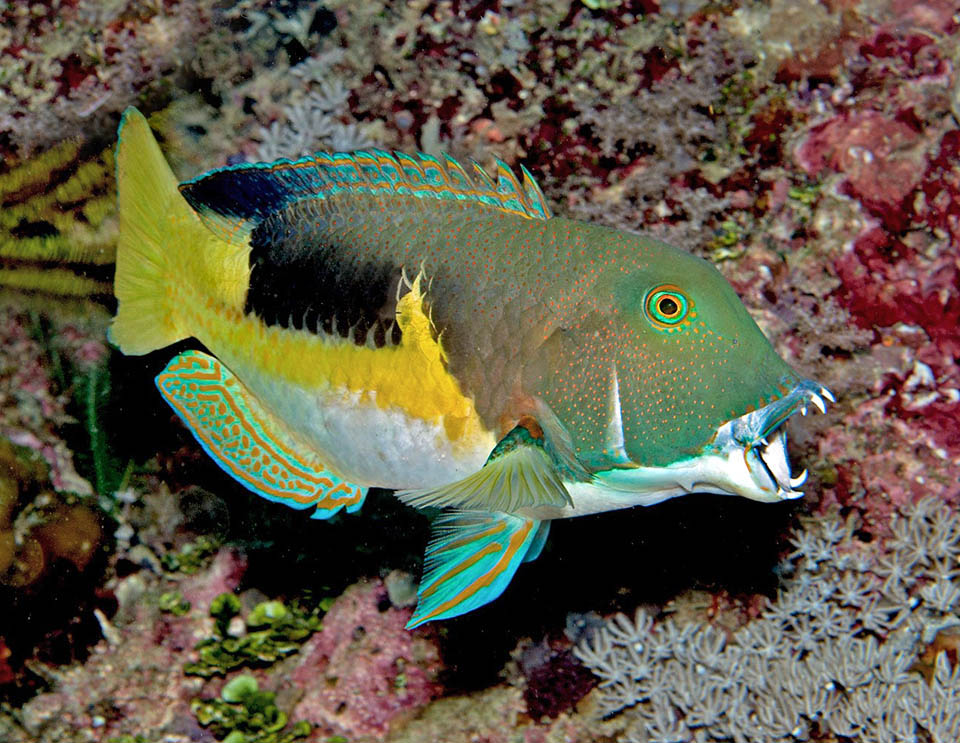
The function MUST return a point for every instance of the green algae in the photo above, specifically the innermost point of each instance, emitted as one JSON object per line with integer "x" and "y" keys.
{"x": 173, "y": 602}
{"x": 244, "y": 714}
{"x": 92, "y": 438}
{"x": 601, "y": 4}
{"x": 274, "y": 630}
{"x": 727, "y": 243}
{"x": 805, "y": 194}
{"x": 191, "y": 557}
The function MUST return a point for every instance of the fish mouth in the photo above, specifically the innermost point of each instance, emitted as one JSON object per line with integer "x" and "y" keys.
{"x": 754, "y": 447}
{"x": 747, "y": 456}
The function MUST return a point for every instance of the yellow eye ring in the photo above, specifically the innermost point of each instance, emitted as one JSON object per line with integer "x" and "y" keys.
{"x": 666, "y": 306}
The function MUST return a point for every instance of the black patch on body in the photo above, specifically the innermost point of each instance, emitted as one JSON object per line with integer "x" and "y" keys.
{"x": 300, "y": 279}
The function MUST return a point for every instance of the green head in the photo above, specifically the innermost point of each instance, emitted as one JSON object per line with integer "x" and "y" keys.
{"x": 692, "y": 358}
{"x": 669, "y": 371}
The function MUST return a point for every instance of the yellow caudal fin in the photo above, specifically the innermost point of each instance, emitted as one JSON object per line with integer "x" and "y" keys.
{"x": 167, "y": 261}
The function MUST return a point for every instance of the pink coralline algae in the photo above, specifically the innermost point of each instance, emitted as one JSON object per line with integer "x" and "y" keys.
{"x": 890, "y": 146}
{"x": 364, "y": 672}
{"x": 882, "y": 158}
{"x": 223, "y": 576}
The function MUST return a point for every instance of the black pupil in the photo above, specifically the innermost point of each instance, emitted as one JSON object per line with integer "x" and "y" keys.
{"x": 668, "y": 306}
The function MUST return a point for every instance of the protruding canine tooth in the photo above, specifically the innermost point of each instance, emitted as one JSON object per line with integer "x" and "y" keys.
{"x": 818, "y": 401}
{"x": 827, "y": 394}
{"x": 798, "y": 480}
{"x": 803, "y": 409}
{"x": 788, "y": 494}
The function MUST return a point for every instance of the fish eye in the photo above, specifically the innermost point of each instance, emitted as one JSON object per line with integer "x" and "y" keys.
{"x": 666, "y": 306}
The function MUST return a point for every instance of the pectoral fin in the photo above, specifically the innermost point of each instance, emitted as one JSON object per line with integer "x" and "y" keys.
{"x": 471, "y": 559}
{"x": 247, "y": 442}
{"x": 519, "y": 473}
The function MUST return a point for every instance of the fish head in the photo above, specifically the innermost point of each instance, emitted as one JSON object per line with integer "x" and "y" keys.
{"x": 680, "y": 391}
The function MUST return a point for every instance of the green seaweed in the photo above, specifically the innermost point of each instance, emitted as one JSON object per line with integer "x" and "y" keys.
{"x": 244, "y": 714}
{"x": 94, "y": 451}
{"x": 601, "y": 4}
{"x": 95, "y": 436}
{"x": 224, "y": 608}
{"x": 726, "y": 243}
{"x": 274, "y": 631}
{"x": 738, "y": 94}
{"x": 191, "y": 557}
{"x": 91, "y": 390}
{"x": 174, "y": 603}
{"x": 807, "y": 194}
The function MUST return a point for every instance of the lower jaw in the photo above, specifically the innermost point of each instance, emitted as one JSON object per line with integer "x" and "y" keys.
{"x": 722, "y": 474}
{"x": 726, "y": 473}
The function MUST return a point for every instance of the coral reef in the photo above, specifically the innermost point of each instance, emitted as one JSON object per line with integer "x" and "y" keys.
{"x": 133, "y": 682}
{"x": 71, "y": 67}
{"x": 848, "y": 648}
{"x": 316, "y": 117}
{"x": 359, "y": 672}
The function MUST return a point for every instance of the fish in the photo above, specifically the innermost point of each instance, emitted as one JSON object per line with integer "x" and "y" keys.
{"x": 386, "y": 320}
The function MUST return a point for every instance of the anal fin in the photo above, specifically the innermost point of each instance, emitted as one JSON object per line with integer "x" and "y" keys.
{"x": 471, "y": 558}
{"x": 246, "y": 440}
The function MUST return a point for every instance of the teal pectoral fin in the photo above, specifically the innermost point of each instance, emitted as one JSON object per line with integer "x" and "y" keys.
{"x": 247, "y": 442}
{"x": 471, "y": 559}
{"x": 519, "y": 473}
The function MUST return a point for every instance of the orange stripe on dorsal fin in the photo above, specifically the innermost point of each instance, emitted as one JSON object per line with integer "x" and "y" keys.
{"x": 457, "y": 176}
{"x": 433, "y": 170}
{"x": 411, "y": 169}
{"x": 535, "y": 198}
{"x": 480, "y": 173}
{"x": 233, "y": 201}
{"x": 509, "y": 188}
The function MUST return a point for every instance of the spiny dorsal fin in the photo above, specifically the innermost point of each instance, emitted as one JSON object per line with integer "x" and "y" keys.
{"x": 233, "y": 200}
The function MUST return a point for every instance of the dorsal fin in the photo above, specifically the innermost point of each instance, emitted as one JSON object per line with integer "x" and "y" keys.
{"x": 234, "y": 200}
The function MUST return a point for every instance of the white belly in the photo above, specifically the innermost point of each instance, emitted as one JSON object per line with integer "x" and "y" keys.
{"x": 364, "y": 443}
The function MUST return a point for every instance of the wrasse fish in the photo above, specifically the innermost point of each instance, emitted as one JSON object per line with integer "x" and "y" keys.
{"x": 378, "y": 320}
